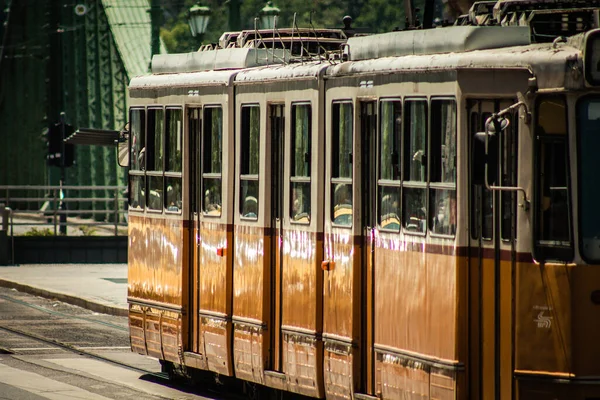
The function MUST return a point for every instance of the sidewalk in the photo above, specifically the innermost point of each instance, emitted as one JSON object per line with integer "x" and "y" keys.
{"x": 97, "y": 287}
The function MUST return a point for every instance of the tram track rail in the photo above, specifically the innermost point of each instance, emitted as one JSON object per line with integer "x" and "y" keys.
{"x": 79, "y": 351}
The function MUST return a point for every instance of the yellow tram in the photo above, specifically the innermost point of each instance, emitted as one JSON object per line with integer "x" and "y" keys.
{"x": 408, "y": 217}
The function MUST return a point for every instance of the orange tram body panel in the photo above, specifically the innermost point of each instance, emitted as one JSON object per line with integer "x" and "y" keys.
{"x": 401, "y": 221}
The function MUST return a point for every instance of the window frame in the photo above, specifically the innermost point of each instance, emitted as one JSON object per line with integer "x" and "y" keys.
{"x": 407, "y": 183}
{"x": 210, "y": 175}
{"x": 397, "y": 153}
{"x": 440, "y": 185}
{"x": 151, "y": 173}
{"x": 297, "y": 179}
{"x": 334, "y": 160}
{"x": 167, "y": 174}
{"x": 249, "y": 177}
{"x": 549, "y": 252}
{"x": 137, "y": 173}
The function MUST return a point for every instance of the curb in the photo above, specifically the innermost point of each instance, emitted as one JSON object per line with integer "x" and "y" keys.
{"x": 66, "y": 298}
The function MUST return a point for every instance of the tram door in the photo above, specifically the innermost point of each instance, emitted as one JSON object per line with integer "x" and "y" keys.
{"x": 492, "y": 260}
{"x": 368, "y": 130}
{"x": 276, "y": 115}
{"x": 194, "y": 129}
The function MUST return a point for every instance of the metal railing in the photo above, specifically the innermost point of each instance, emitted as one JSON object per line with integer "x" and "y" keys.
{"x": 60, "y": 207}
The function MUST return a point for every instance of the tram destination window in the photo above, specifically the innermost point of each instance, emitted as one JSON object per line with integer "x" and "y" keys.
{"x": 552, "y": 195}
{"x": 173, "y": 159}
{"x": 212, "y": 161}
{"x": 301, "y": 159}
{"x": 250, "y": 156}
{"x": 588, "y": 126}
{"x": 154, "y": 159}
{"x": 341, "y": 164}
{"x": 414, "y": 192}
{"x": 442, "y": 172}
{"x": 389, "y": 165}
{"x": 137, "y": 187}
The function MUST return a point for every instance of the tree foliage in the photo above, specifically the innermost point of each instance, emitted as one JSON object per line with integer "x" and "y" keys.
{"x": 368, "y": 15}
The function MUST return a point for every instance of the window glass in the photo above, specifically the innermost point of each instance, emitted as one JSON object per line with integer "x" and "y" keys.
{"x": 173, "y": 141}
{"x": 301, "y": 140}
{"x": 390, "y": 125}
{"x": 156, "y": 135}
{"x": 443, "y": 206}
{"x": 443, "y": 141}
{"x": 342, "y": 140}
{"x": 137, "y": 131}
{"x": 173, "y": 197}
{"x": 301, "y": 157}
{"x": 250, "y": 139}
{"x": 588, "y": 124}
{"x": 341, "y": 180}
{"x": 415, "y": 213}
{"x": 213, "y": 153}
{"x": 415, "y": 136}
{"x": 155, "y": 193}
{"x": 137, "y": 192}
{"x": 250, "y": 161}
{"x": 213, "y": 144}
{"x": 389, "y": 207}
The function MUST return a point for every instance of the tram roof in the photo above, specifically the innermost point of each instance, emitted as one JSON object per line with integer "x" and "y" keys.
{"x": 305, "y": 70}
{"x": 182, "y": 79}
{"x": 217, "y": 59}
{"x": 537, "y": 57}
{"x": 452, "y": 39}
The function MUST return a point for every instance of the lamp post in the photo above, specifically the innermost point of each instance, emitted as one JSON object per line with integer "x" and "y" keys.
{"x": 198, "y": 17}
{"x": 267, "y": 15}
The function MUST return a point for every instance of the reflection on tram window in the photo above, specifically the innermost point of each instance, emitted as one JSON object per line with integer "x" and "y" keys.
{"x": 443, "y": 206}
{"x": 342, "y": 204}
{"x": 173, "y": 198}
{"x": 249, "y": 199}
{"x": 300, "y": 176}
{"x": 137, "y": 192}
{"x": 389, "y": 208}
{"x": 212, "y": 197}
{"x": 415, "y": 215}
{"x": 300, "y": 202}
{"x": 155, "y": 193}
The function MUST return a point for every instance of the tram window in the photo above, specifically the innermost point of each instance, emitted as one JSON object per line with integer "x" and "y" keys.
{"x": 553, "y": 209}
{"x": 173, "y": 193}
{"x": 341, "y": 164}
{"x": 414, "y": 216}
{"x": 155, "y": 139}
{"x": 137, "y": 121}
{"x": 390, "y": 128}
{"x": 442, "y": 177}
{"x": 509, "y": 157}
{"x": 301, "y": 158}
{"x": 588, "y": 125}
{"x": 137, "y": 192}
{"x": 250, "y": 152}
{"x": 155, "y": 193}
{"x": 212, "y": 166}
{"x": 173, "y": 142}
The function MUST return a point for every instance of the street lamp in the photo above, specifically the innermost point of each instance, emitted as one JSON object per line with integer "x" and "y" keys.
{"x": 198, "y": 17}
{"x": 268, "y": 15}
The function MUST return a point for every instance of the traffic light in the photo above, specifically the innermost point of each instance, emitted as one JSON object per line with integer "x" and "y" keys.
{"x": 56, "y": 146}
